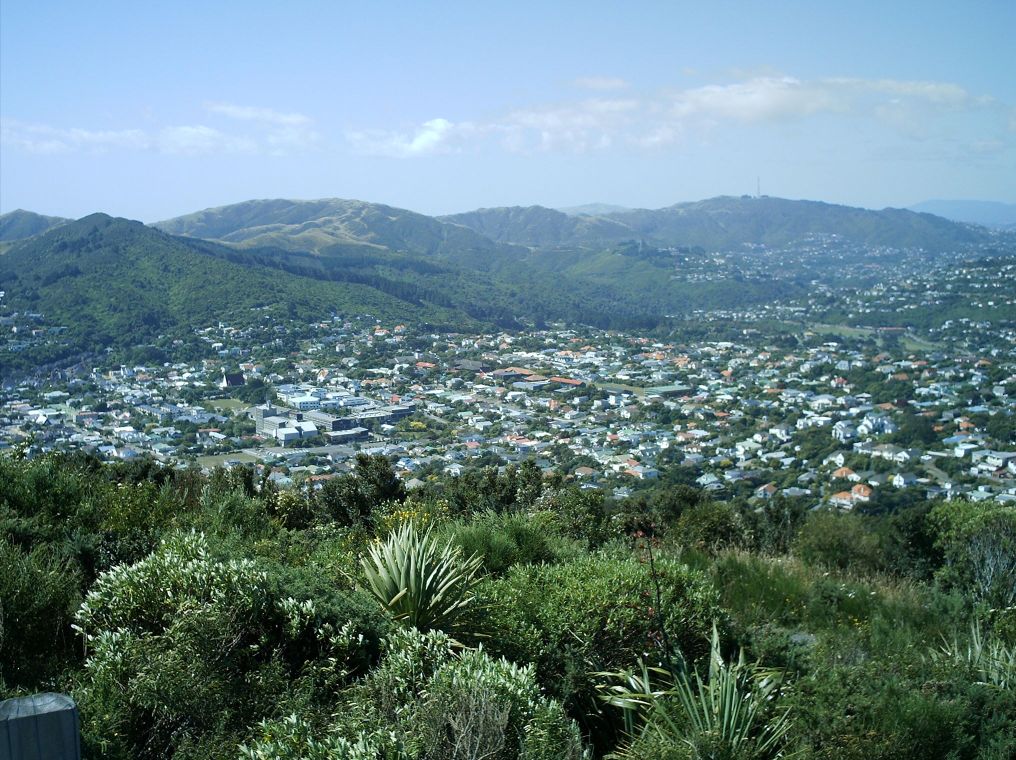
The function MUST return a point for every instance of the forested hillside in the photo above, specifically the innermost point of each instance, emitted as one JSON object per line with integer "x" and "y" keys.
{"x": 114, "y": 283}
{"x": 714, "y": 224}
{"x": 498, "y": 615}
{"x": 101, "y": 283}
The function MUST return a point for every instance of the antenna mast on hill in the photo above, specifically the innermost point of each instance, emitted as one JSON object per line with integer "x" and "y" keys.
{"x": 758, "y": 187}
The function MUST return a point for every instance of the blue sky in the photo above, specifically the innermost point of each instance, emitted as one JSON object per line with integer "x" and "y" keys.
{"x": 153, "y": 110}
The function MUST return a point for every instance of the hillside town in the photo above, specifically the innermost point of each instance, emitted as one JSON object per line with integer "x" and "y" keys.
{"x": 855, "y": 420}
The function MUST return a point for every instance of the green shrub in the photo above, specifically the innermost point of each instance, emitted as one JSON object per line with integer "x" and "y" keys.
{"x": 503, "y": 540}
{"x": 711, "y": 525}
{"x": 733, "y": 713}
{"x": 294, "y": 738}
{"x": 185, "y": 650}
{"x": 984, "y": 657}
{"x": 581, "y": 515}
{"x": 38, "y": 595}
{"x": 425, "y": 700}
{"x": 596, "y": 613}
{"x": 979, "y": 544}
{"x": 842, "y": 541}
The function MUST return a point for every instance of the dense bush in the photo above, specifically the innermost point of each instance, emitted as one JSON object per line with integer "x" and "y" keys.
{"x": 593, "y": 614}
{"x": 186, "y": 650}
{"x": 38, "y": 596}
{"x": 420, "y": 582}
{"x": 219, "y": 611}
{"x": 425, "y": 700}
{"x": 711, "y": 525}
{"x": 979, "y": 545}
{"x": 734, "y": 711}
{"x": 504, "y": 540}
{"x": 834, "y": 540}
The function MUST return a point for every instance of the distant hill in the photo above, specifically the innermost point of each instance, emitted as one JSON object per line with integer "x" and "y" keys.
{"x": 483, "y": 237}
{"x": 987, "y": 213}
{"x": 725, "y": 223}
{"x": 332, "y": 225}
{"x": 593, "y": 209}
{"x": 20, "y": 224}
{"x": 116, "y": 283}
{"x": 539, "y": 226}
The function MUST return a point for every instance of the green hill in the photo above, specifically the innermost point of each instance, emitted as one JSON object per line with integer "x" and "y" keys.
{"x": 539, "y": 226}
{"x": 21, "y": 224}
{"x": 593, "y": 209}
{"x": 334, "y": 225}
{"x": 726, "y": 223}
{"x": 117, "y": 283}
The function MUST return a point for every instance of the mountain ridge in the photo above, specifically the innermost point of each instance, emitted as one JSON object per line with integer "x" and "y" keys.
{"x": 728, "y": 222}
{"x": 331, "y": 225}
{"x": 21, "y": 224}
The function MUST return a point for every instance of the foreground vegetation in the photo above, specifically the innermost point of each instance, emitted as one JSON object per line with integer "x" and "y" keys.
{"x": 498, "y": 616}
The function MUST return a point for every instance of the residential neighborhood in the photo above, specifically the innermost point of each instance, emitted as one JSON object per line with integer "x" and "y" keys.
{"x": 841, "y": 422}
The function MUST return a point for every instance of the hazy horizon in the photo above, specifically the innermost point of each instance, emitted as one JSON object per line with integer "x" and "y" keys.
{"x": 153, "y": 113}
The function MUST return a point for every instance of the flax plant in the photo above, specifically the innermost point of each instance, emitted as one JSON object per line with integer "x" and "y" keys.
{"x": 419, "y": 583}
{"x": 989, "y": 658}
{"x": 732, "y": 713}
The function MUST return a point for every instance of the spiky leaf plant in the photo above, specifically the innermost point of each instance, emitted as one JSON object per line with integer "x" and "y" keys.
{"x": 990, "y": 659}
{"x": 733, "y": 713}
{"x": 420, "y": 583}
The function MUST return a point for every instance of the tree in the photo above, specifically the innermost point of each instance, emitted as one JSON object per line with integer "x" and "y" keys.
{"x": 979, "y": 544}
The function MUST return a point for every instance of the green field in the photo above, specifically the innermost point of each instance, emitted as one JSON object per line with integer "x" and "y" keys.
{"x": 908, "y": 340}
{"x": 228, "y": 404}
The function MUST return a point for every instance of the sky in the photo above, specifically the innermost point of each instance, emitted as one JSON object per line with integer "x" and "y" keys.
{"x": 153, "y": 110}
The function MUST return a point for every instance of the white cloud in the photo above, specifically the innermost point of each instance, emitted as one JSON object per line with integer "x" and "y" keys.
{"x": 432, "y": 136}
{"x": 199, "y": 139}
{"x": 267, "y": 131}
{"x": 600, "y": 83}
{"x": 935, "y": 93}
{"x": 254, "y": 113}
{"x": 41, "y": 138}
{"x": 914, "y": 109}
{"x": 755, "y": 100}
{"x": 280, "y": 133}
{"x": 578, "y": 127}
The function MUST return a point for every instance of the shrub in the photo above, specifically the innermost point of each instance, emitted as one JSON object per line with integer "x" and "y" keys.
{"x": 711, "y": 525}
{"x": 426, "y": 701}
{"x": 733, "y": 713}
{"x": 465, "y": 706}
{"x": 593, "y": 614}
{"x": 979, "y": 544}
{"x": 38, "y": 595}
{"x": 581, "y": 514}
{"x": 842, "y": 541}
{"x": 293, "y": 738}
{"x": 508, "y": 539}
{"x": 185, "y": 650}
{"x": 983, "y": 657}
